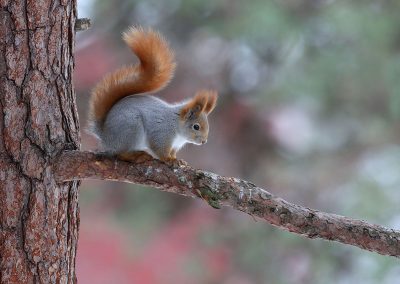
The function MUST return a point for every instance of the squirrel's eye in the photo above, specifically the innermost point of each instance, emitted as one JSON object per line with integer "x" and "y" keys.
{"x": 196, "y": 126}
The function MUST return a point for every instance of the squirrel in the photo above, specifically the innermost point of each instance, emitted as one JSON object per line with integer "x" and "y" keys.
{"x": 129, "y": 123}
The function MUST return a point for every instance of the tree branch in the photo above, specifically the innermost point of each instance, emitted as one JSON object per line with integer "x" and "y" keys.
{"x": 82, "y": 24}
{"x": 232, "y": 192}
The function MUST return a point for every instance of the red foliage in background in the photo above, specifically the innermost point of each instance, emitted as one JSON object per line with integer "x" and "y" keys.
{"x": 105, "y": 254}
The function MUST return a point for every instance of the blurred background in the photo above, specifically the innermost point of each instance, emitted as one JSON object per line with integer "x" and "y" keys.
{"x": 309, "y": 109}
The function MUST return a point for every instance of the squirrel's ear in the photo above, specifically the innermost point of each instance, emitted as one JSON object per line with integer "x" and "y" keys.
{"x": 211, "y": 101}
{"x": 195, "y": 106}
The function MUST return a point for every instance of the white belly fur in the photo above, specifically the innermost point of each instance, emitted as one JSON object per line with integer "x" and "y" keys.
{"x": 178, "y": 142}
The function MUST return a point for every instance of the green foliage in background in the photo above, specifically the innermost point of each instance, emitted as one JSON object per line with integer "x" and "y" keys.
{"x": 336, "y": 61}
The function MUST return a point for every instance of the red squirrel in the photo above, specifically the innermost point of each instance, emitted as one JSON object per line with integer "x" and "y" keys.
{"x": 128, "y": 122}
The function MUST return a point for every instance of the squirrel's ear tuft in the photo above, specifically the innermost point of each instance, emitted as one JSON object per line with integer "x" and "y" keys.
{"x": 211, "y": 101}
{"x": 195, "y": 106}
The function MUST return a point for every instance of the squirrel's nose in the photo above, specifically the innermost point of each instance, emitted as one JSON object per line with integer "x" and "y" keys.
{"x": 204, "y": 141}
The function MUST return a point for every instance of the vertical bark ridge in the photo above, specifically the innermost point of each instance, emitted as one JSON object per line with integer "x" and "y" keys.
{"x": 39, "y": 218}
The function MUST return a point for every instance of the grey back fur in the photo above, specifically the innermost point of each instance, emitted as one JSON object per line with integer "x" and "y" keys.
{"x": 136, "y": 120}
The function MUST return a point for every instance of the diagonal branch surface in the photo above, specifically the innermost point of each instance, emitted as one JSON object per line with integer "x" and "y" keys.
{"x": 232, "y": 192}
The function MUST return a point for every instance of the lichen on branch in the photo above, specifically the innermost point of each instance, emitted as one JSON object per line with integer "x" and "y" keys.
{"x": 231, "y": 192}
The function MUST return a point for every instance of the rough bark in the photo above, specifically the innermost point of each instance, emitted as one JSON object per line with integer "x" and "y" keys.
{"x": 232, "y": 192}
{"x": 38, "y": 119}
{"x": 39, "y": 213}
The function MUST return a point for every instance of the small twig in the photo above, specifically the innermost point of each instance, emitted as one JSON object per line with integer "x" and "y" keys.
{"x": 226, "y": 191}
{"x": 82, "y": 24}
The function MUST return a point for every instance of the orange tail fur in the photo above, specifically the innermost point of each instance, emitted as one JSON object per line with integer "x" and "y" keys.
{"x": 154, "y": 71}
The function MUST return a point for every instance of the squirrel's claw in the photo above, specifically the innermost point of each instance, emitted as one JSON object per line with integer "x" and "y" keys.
{"x": 175, "y": 162}
{"x": 181, "y": 163}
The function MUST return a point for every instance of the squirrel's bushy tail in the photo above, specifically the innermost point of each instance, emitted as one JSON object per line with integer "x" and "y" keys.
{"x": 154, "y": 71}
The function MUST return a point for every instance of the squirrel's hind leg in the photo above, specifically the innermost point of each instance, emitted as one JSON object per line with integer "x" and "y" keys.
{"x": 135, "y": 157}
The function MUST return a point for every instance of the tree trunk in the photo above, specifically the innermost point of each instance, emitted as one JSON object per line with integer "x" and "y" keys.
{"x": 38, "y": 119}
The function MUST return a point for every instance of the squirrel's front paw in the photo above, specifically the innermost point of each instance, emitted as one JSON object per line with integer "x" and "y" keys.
{"x": 182, "y": 162}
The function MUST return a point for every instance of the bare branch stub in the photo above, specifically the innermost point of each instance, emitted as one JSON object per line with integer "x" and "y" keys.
{"x": 82, "y": 24}
{"x": 231, "y": 192}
